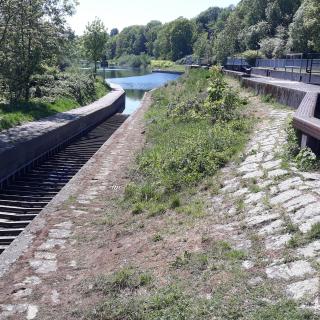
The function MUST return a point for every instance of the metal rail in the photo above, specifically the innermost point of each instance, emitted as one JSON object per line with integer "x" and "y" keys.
{"x": 22, "y": 198}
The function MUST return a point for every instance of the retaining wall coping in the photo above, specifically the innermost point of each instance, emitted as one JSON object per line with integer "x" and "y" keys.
{"x": 30, "y": 130}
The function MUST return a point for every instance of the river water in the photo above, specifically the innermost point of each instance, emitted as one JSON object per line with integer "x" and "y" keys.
{"x": 136, "y": 82}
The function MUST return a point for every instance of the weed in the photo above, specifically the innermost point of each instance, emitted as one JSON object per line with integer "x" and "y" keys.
{"x": 126, "y": 278}
{"x": 268, "y": 98}
{"x": 137, "y": 209}
{"x": 240, "y": 205}
{"x": 175, "y": 202}
{"x": 307, "y": 160}
{"x": 157, "y": 238}
{"x": 194, "y": 209}
{"x": 314, "y": 232}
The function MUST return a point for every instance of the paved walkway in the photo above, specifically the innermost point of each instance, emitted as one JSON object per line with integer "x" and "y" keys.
{"x": 278, "y": 204}
{"x": 300, "y": 86}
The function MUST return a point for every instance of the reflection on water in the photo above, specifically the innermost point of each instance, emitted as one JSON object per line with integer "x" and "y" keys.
{"x": 136, "y": 82}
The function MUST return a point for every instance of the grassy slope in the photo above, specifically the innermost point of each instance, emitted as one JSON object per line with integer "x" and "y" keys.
{"x": 167, "y": 65}
{"x": 11, "y": 116}
{"x": 205, "y": 280}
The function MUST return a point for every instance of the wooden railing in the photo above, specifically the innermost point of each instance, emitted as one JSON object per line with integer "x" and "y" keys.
{"x": 305, "y": 119}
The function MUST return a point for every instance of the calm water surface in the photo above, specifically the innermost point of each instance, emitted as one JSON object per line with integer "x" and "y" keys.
{"x": 136, "y": 82}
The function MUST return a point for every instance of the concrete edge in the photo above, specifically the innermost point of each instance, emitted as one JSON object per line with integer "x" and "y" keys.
{"x": 55, "y": 132}
{"x": 26, "y": 239}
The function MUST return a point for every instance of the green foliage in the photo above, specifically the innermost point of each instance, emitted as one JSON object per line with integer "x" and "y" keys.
{"x": 175, "y": 39}
{"x": 95, "y": 41}
{"x": 50, "y": 94}
{"x": 131, "y": 41}
{"x": 166, "y": 65}
{"x": 314, "y": 232}
{"x": 126, "y": 278}
{"x": 292, "y": 147}
{"x": 187, "y": 142}
{"x": 134, "y": 61}
{"x": 307, "y": 160}
{"x": 283, "y": 310}
{"x": 32, "y": 33}
{"x": 251, "y": 56}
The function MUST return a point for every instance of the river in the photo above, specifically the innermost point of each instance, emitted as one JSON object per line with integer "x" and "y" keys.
{"x": 136, "y": 82}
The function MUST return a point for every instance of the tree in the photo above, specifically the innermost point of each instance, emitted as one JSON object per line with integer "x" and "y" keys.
{"x": 207, "y": 18}
{"x": 312, "y": 23}
{"x": 114, "y": 32}
{"x": 176, "y": 39}
{"x": 32, "y": 33}
{"x": 151, "y": 34}
{"x": 131, "y": 40}
{"x": 227, "y": 43}
{"x": 95, "y": 40}
{"x": 202, "y": 48}
{"x": 305, "y": 28}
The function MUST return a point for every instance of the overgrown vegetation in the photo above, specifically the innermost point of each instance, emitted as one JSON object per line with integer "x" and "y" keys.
{"x": 305, "y": 158}
{"x": 52, "y": 93}
{"x": 131, "y": 294}
{"x": 134, "y": 61}
{"x": 195, "y": 127}
{"x": 167, "y": 65}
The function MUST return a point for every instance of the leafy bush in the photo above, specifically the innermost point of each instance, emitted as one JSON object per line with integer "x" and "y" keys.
{"x": 134, "y": 61}
{"x": 251, "y": 56}
{"x": 306, "y": 159}
{"x": 51, "y": 93}
{"x": 159, "y": 64}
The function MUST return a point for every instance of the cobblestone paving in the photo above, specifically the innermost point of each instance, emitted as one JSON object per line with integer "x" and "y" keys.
{"x": 277, "y": 203}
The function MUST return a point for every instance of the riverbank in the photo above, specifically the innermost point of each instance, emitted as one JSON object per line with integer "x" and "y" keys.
{"x": 56, "y": 94}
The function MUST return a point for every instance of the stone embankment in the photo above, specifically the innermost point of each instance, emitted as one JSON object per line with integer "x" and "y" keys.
{"x": 22, "y": 145}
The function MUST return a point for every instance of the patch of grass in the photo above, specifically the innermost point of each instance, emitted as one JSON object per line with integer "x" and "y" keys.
{"x": 167, "y": 65}
{"x": 283, "y": 310}
{"x": 175, "y": 202}
{"x": 137, "y": 208}
{"x": 157, "y": 238}
{"x": 156, "y": 209}
{"x": 195, "y": 209}
{"x": 314, "y": 232}
{"x": 240, "y": 205}
{"x": 126, "y": 278}
{"x": 253, "y": 186}
{"x": 267, "y": 98}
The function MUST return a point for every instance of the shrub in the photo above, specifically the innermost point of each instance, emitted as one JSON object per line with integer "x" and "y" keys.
{"x": 251, "y": 56}
{"x": 307, "y": 160}
{"x": 134, "y": 61}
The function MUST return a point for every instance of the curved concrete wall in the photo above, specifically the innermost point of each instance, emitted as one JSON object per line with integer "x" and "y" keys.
{"x": 22, "y": 145}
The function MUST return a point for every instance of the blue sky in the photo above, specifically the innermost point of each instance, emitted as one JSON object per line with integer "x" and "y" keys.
{"x": 122, "y": 13}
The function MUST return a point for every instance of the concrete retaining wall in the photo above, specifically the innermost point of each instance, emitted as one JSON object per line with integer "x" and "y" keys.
{"x": 22, "y": 145}
{"x": 284, "y": 95}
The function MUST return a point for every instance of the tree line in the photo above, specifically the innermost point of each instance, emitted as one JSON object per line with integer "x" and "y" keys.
{"x": 34, "y": 36}
{"x": 269, "y": 28}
